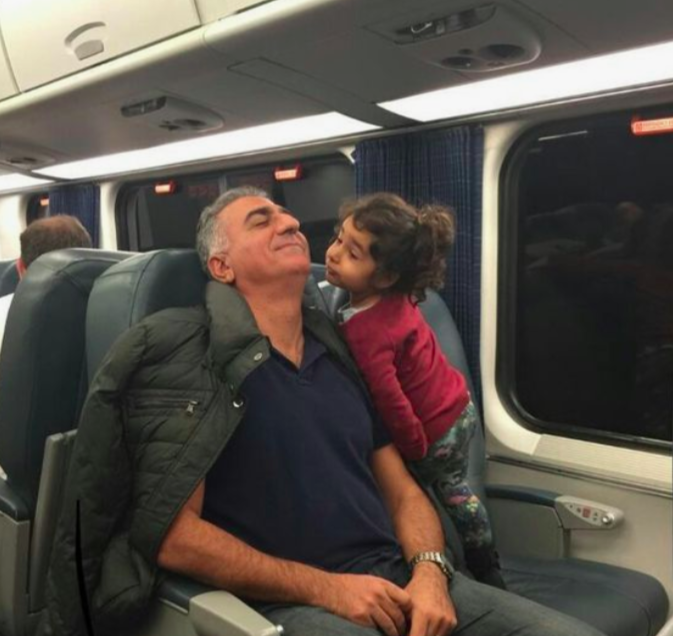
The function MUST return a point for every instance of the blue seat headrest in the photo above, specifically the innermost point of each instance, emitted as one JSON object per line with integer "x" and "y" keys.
{"x": 42, "y": 366}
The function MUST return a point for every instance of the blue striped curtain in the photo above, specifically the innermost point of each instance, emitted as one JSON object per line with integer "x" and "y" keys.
{"x": 443, "y": 166}
{"x": 80, "y": 201}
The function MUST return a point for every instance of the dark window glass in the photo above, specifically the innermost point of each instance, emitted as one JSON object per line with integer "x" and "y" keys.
{"x": 591, "y": 313}
{"x": 36, "y": 209}
{"x": 148, "y": 221}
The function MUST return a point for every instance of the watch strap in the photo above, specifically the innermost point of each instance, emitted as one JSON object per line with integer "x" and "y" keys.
{"x": 433, "y": 557}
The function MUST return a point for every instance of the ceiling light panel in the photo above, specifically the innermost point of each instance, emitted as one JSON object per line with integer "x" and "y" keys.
{"x": 258, "y": 138}
{"x": 625, "y": 69}
{"x": 19, "y": 182}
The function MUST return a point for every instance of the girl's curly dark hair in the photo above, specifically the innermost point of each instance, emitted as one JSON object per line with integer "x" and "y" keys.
{"x": 408, "y": 242}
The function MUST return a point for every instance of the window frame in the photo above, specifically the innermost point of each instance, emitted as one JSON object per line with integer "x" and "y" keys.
{"x": 508, "y": 281}
{"x": 129, "y": 189}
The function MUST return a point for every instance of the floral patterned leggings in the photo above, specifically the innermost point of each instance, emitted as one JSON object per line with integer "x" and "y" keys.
{"x": 444, "y": 469}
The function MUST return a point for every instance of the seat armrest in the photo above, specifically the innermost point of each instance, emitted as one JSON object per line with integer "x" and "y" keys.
{"x": 11, "y": 504}
{"x": 574, "y": 513}
{"x": 214, "y": 612}
{"x": 523, "y": 494}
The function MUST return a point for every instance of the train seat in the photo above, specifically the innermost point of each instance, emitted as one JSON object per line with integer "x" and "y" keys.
{"x": 617, "y": 601}
{"x": 122, "y": 296}
{"x": 9, "y": 277}
{"x": 42, "y": 386}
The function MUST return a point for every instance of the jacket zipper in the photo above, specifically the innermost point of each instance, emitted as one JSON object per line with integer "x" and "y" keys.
{"x": 190, "y": 406}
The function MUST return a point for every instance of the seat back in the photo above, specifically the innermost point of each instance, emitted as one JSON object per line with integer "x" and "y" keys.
{"x": 143, "y": 285}
{"x": 137, "y": 287}
{"x": 42, "y": 367}
{"x": 439, "y": 318}
{"x": 42, "y": 387}
{"x": 9, "y": 277}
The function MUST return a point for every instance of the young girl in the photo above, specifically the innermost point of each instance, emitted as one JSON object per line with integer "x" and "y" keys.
{"x": 386, "y": 254}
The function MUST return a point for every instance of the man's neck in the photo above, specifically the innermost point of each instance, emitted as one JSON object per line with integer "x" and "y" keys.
{"x": 279, "y": 317}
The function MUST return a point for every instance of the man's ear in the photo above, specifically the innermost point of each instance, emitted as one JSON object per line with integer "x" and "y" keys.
{"x": 21, "y": 267}
{"x": 220, "y": 269}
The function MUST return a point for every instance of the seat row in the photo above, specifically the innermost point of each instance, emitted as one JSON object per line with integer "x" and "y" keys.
{"x": 67, "y": 312}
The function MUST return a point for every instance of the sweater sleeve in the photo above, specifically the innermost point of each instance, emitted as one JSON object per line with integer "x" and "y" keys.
{"x": 376, "y": 359}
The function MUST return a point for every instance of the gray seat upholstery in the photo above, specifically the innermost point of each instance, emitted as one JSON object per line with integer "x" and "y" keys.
{"x": 9, "y": 277}
{"x": 42, "y": 379}
{"x": 143, "y": 285}
{"x": 42, "y": 387}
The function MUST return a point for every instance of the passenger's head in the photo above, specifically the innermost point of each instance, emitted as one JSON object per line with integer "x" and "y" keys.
{"x": 386, "y": 245}
{"x": 245, "y": 239}
{"x": 47, "y": 235}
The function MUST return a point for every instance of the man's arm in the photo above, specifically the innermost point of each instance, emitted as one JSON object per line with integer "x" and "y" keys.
{"x": 418, "y": 529}
{"x": 202, "y": 551}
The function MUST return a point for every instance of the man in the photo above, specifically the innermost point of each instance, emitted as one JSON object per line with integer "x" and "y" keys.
{"x": 249, "y": 459}
{"x": 40, "y": 237}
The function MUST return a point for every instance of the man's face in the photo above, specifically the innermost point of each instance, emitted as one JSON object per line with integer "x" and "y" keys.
{"x": 264, "y": 244}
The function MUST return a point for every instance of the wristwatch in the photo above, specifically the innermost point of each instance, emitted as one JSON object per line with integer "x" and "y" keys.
{"x": 434, "y": 557}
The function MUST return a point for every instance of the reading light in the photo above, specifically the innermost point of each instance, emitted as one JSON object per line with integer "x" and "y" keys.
{"x": 19, "y": 182}
{"x": 288, "y": 174}
{"x": 640, "y": 127}
{"x": 635, "y": 67}
{"x": 166, "y": 187}
{"x": 279, "y": 134}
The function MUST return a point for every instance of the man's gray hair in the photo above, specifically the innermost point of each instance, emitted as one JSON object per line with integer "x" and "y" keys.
{"x": 210, "y": 238}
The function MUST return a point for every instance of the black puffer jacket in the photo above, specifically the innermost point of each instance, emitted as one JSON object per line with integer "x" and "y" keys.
{"x": 159, "y": 412}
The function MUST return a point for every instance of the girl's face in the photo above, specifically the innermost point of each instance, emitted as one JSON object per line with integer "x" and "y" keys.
{"x": 350, "y": 264}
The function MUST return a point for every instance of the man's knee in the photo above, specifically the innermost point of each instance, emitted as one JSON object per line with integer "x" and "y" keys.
{"x": 483, "y": 610}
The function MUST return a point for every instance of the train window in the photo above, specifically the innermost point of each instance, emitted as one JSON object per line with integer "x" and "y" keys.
{"x": 587, "y": 287}
{"x": 38, "y": 207}
{"x": 159, "y": 214}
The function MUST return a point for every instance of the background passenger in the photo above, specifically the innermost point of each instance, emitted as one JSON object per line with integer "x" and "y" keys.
{"x": 42, "y": 236}
{"x": 386, "y": 254}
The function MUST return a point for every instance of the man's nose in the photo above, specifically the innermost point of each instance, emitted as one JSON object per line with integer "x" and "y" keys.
{"x": 288, "y": 223}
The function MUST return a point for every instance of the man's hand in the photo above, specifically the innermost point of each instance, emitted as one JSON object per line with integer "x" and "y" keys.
{"x": 367, "y": 600}
{"x": 432, "y": 613}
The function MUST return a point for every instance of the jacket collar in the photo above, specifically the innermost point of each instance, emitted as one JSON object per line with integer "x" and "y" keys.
{"x": 233, "y": 328}
{"x": 236, "y": 344}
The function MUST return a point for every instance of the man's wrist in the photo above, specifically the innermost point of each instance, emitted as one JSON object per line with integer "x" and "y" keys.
{"x": 428, "y": 570}
{"x": 428, "y": 560}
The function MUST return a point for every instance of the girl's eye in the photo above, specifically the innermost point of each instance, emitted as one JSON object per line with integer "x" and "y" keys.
{"x": 353, "y": 255}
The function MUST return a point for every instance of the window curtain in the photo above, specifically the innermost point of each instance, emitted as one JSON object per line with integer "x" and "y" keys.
{"x": 80, "y": 201}
{"x": 445, "y": 167}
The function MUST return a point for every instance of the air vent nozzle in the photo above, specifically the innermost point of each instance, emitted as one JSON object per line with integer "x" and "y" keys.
{"x": 172, "y": 114}
{"x": 474, "y": 40}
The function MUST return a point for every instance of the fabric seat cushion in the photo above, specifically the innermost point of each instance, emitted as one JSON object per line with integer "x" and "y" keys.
{"x": 617, "y": 601}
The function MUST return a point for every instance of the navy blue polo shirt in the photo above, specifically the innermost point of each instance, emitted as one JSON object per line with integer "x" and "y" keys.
{"x": 295, "y": 481}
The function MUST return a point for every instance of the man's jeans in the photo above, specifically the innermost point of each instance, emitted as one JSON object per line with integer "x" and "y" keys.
{"x": 482, "y": 610}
